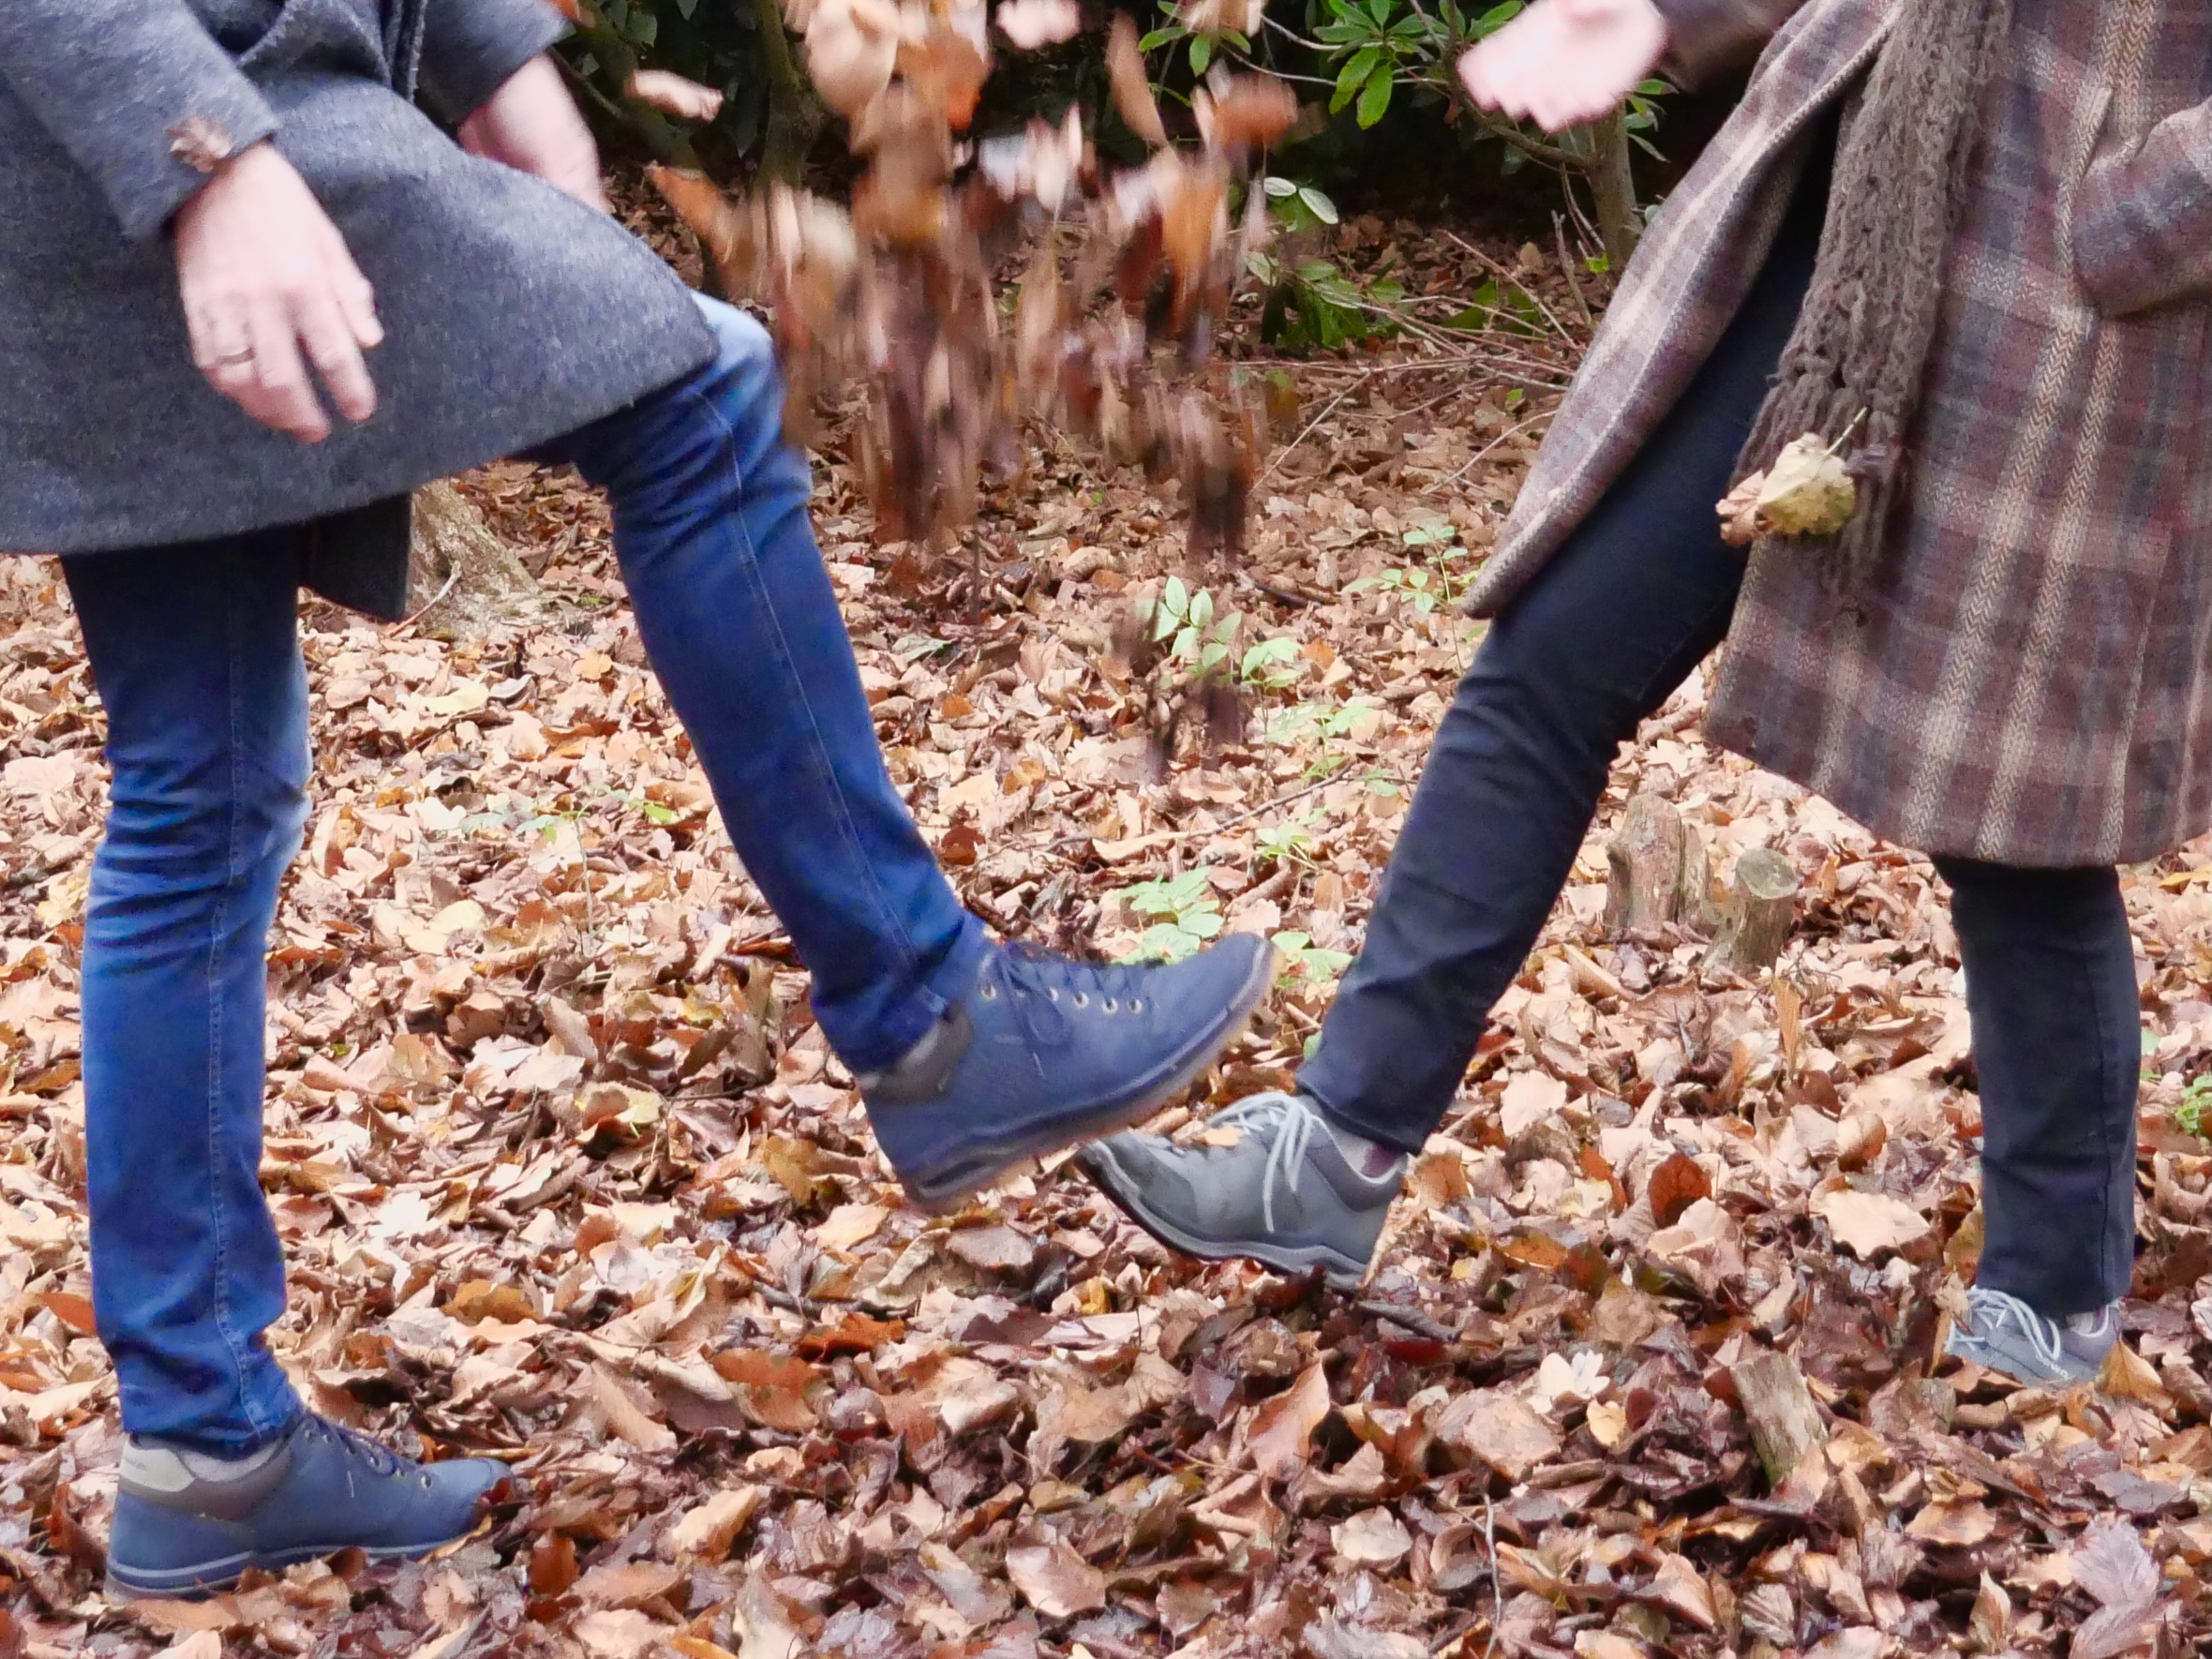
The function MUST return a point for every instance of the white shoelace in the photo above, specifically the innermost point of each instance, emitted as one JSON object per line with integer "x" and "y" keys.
{"x": 1996, "y": 1308}
{"x": 1286, "y": 1153}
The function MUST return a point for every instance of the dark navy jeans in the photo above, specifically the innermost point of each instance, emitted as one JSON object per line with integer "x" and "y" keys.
{"x": 1638, "y": 595}
{"x": 196, "y": 654}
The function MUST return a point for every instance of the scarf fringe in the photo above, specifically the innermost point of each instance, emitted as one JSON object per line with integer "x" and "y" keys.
{"x": 1859, "y": 348}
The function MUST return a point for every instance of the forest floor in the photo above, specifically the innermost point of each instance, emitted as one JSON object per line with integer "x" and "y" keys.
{"x": 566, "y": 1175}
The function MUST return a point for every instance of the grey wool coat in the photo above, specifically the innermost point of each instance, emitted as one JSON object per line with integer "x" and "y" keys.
{"x": 2029, "y": 676}
{"x": 512, "y": 313}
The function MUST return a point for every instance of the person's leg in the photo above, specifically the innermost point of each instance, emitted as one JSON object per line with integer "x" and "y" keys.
{"x": 740, "y": 619}
{"x": 1639, "y": 594}
{"x": 971, "y": 1057}
{"x": 195, "y": 653}
{"x": 2059, "y": 1049}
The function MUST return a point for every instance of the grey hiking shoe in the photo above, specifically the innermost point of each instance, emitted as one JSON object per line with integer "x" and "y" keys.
{"x": 2010, "y": 1337}
{"x": 1284, "y": 1195}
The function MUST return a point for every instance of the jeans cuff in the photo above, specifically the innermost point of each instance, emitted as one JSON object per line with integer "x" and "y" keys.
{"x": 1382, "y": 1134}
{"x": 904, "y": 1023}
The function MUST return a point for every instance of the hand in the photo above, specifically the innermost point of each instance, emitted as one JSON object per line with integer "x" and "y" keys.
{"x": 264, "y": 275}
{"x": 532, "y": 125}
{"x": 1564, "y": 61}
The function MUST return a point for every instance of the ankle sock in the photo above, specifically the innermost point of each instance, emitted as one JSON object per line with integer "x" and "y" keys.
{"x": 148, "y": 1463}
{"x": 1371, "y": 1158}
{"x": 2096, "y": 1322}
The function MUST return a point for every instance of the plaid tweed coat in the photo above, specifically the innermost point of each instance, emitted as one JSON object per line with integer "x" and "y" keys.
{"x": 2029, "y": 676}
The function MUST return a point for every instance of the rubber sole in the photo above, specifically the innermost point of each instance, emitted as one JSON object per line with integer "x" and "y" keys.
{"x": 983, "y": 1166}
{"x": 1990, "y": 1357}
{"x": 206, "y": 1578}
{"x": 1339, "y": 1271}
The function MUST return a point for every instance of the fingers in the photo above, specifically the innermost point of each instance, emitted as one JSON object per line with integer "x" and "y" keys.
{"x": 249, "y": 342}
{"x": 279, "y": 394}
{"x": 356, "y": 300}
{"x": 1560, "y": 64}
{"x": 265, "y": 277}
{"x": 331, "y": 346}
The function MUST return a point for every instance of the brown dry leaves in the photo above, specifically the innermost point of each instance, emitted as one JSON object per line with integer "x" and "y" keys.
{"x": 567, "y": 1176}
{"x": 900, "y": 296}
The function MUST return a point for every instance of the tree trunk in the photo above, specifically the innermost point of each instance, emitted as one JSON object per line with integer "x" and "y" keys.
{"x": 795, "y": 114}
{"x": 1614, "y": 190}
{"x": 1784, "y": 1422}
{"x": 1755, "y": 923}
{"x": 462, "y": 580}
{"x": 1656, "y": 870}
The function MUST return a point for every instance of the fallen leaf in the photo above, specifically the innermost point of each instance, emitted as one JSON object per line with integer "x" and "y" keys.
{"x": 849, "y": 1224}
{"x": 1856, "y": 1642}
{"x": 1498, "y": 1426}
{"x": 1675, "y": 1186}
{"x": 624, "y": 1416}
{"x": 1868, "y": 1223}
{"x": 706, "y": 1532}
{"x": 1372, "y": 1538}
{"x": 1282, "y": 1427}
{"x": 762, "y": 1624}
{"x": 1529, "y": 1098}
{"x": 1807, "y": 491}
{"x": 1677, "y": 1587}
{"x": 1055, "y": 1580}
{"x": 2111, "y": 1564}
{"x": 617, "y": 1634}
{"x": 1956, "y": 1523}
{"x": 629, "y": 1584}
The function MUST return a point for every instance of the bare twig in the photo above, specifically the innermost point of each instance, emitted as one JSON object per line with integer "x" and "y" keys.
{"x": 1312, "y": 427}
{"x": 1497, "y": 1584}
{"x": 1516, "y": 280}
{"x": 1566, "y": 264}
{"x": 1410, "y": 1318}
{"x": 1483, "y": 452}
{"x": 401, "y": 626}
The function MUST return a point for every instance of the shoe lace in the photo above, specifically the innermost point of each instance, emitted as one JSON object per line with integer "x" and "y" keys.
{"x": 381, "y": 1459}
{"x": 1998, "y": 1308}
{"x": 1292, "y": 1122}
{"x": 1044, "y": 989}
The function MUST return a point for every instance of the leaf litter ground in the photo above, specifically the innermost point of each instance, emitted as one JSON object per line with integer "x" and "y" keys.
{"x": 567, "y": 1178}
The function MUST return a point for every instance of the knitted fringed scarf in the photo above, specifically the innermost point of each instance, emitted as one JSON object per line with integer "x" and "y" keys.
{"x": 1862, "y": 340}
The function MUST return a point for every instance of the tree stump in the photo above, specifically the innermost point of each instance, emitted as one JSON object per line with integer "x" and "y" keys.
{"x": 1755, "y": 923}
{"x": 462, "y": 580}
{"x": 1656, "y": 869}
{"x": 1784, "y": 1422}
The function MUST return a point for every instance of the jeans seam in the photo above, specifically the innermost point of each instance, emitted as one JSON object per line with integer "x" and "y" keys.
{"x": 910, "y": 958}
{"x": 2104, "y": 1081}
{"x": 215, "y": 1050}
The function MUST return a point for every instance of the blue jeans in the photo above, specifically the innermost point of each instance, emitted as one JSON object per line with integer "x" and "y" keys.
{"x": 196, "y": 654}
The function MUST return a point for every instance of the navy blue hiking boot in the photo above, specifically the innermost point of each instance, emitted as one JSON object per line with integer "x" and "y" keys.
{"x": 187, "y": 1523}
{"x": 1044, "y": 1051}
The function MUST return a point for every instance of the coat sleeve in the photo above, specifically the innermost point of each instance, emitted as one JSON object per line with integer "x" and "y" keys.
{"x": 1706, "y": 38}
{"x": 2143, "y": 219}
{"x": 469, "y": 48}
{"x": 138, "y": 92}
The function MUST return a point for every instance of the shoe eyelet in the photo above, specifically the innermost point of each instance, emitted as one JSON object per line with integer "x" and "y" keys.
{"x": 426, "y": 1483}
{"x": 1052, "y": 993}
{"x": 1083, "y": 999}
{"x": 1111, "y": 1005}
{"x": 1136, "y": 1005}
{"x": 989, "y": 994}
